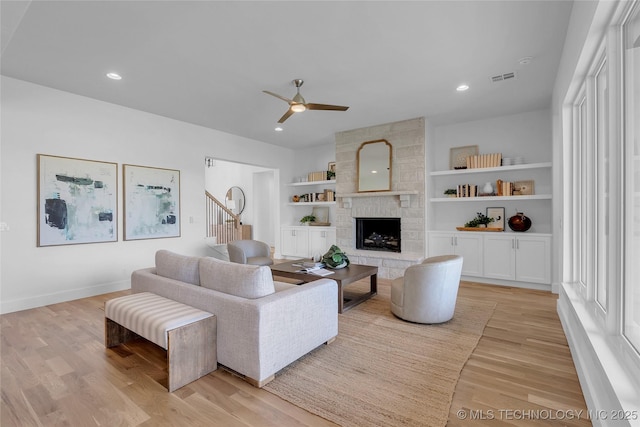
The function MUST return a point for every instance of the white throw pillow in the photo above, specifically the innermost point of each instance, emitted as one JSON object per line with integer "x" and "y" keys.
{"x": 242, "y": 280}
{"x": 178, "y": 267}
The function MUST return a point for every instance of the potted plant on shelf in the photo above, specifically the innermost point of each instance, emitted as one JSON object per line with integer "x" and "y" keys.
{"x": 451, "y": 192}
{"x": 480, "y": 220}
{"x": 307, "y": 219}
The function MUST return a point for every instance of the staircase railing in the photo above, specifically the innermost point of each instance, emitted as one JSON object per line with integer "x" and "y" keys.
{"x": 222, "y": 223}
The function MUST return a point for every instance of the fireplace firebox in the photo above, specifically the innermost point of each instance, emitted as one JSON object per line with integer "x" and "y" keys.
{"x": 378, "y": 234}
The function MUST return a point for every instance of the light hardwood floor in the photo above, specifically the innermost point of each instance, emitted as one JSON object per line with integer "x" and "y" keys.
{"x": 56, "y": 371}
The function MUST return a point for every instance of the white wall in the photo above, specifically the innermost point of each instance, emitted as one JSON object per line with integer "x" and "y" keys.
{"x": 36, "y": 119}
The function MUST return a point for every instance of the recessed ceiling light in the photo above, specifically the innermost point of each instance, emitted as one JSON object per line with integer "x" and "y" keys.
{"x": 526, "y": 60}
{"x": 278, "y": 129}
{"x": 462, "y": 88}
{"x": 114, "y": 76}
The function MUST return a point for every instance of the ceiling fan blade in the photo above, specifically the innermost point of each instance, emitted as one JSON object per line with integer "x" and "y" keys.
{"x": 285, "y": 116}
{"x": 326, "y": 107}
{"x": 278, "y": 96}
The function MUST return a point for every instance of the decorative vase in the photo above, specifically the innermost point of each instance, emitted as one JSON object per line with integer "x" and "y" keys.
{"x": 519, "y": 222}
{"x": 488, "y": 188}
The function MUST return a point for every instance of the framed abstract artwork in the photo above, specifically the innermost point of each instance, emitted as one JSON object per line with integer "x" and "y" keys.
{"x": 151, "y": 202}
{"x": 498, "y": 217}
{"x": 77, "y": 201}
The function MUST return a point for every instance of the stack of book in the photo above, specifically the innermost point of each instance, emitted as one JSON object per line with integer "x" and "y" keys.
{"x": 317, "y": 176}
{"x": 493, "y": 160}
{"x": 329, "y": 195}
{"x": 504, "y": 188}
{"x": 467, "y": 190}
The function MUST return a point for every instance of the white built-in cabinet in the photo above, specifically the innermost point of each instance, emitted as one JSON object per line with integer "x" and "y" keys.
{"x": 518, "y": 257}
{"x": 306, "y": 241}
{"x": 294, "y": 241}
{"x": 506, "y": 257}
{"x": 521, "y": 257}
{"x": 321, "y": 239}
{"x": 468, "y": 245}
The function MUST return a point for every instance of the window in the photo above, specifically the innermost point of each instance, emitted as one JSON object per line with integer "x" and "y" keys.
{"x": 631, "y": 230}
{"x": 579, "y": 193}
{"x": 601, "y": 277}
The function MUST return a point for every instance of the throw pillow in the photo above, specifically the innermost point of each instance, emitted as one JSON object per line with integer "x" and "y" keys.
{"x": 178, "y": 267}
{"x": 242, "y": 280}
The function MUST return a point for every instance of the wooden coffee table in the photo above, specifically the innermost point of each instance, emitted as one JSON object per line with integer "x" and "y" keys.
{"x": 342, "y": 276}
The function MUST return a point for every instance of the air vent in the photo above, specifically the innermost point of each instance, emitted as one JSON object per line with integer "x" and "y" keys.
{"x": 502, "y": 77}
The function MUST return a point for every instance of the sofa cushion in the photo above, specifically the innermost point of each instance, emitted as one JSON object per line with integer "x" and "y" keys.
{"x": 242, "y": 280}
{"x": 178, "y": 267}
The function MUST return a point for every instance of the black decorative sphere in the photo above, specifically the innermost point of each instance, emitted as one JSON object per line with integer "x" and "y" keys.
{"x": 519, "y": 222}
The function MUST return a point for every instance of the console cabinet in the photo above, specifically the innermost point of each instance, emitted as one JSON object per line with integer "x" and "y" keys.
{"x": 522, "y": 258}
{"x": 505, "y": 256}
{"x": 306, "y": 241}
{"x": 468, "y": 245}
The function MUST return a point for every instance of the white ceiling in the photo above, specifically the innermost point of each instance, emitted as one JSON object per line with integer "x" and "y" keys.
{"x": 207, "y": 62}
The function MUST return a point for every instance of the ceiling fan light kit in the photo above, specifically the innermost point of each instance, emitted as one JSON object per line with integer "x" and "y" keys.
{"x": 298, "y": 104}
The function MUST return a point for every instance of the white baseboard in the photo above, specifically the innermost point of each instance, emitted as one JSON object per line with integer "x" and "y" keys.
{"x": 511, "y": 283}
{"x": 9, "y": 306}
{"x": 607, "y": 381}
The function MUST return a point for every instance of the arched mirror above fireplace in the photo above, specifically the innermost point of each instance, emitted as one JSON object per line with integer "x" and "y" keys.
{"x": 374, "y": 166}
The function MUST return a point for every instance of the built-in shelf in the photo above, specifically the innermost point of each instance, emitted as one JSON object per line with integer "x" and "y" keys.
{"x": 308, "y": 183}
{"x": 497, "y": 169}
{"x": 491, "y": 198}
{"x": 311, "y": 203}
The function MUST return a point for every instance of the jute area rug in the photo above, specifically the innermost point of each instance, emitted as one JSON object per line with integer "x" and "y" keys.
{"x": 382, "y": 371}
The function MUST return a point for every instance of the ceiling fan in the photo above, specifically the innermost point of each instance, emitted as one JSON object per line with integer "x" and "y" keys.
{"x": 298, "y": 104}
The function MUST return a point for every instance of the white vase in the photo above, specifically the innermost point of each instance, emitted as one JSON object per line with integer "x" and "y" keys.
{"x": 488, "y": 188}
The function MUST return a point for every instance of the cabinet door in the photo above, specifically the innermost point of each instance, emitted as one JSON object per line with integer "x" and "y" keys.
{"x": 469, "y": 246}
{"x": 320, "y": 240}
{"x": 499, "y": 257}
{"x": 295, "y": 241}
{"x": 533, "y": 259}
{"x": 441, "y": 244}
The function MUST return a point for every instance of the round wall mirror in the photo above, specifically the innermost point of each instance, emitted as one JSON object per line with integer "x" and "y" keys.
{"x": 234, "y": 200}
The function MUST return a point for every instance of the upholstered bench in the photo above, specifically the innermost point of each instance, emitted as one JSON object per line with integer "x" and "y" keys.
{"x": 187, "y": 333}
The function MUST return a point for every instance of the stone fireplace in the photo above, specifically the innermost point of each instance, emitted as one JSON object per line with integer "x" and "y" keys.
{"x": 378, "y": 234}
{"x": 405, "y": 201}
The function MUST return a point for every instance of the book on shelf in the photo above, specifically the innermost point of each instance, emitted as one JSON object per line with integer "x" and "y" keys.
{"x": 479, "y": 161}
{"x": 518, "y": 188}
{"x": 467, "y": 190}
{"x": 317, "y": 176}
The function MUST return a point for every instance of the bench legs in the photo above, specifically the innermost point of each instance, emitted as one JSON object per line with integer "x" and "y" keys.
{"x": 191, "y": 352}
{"x": 191, "y": 349}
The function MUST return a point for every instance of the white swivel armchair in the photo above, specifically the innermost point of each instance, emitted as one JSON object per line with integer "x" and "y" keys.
{"x": 252, "y": 252}
{"x": 427, "y": 293}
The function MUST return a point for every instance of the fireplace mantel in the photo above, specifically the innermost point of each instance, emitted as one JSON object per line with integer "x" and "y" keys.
{"x": 404, "y": 196}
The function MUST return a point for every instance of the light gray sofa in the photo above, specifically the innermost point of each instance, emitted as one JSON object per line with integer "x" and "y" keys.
{"x": 263, "y": 325}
